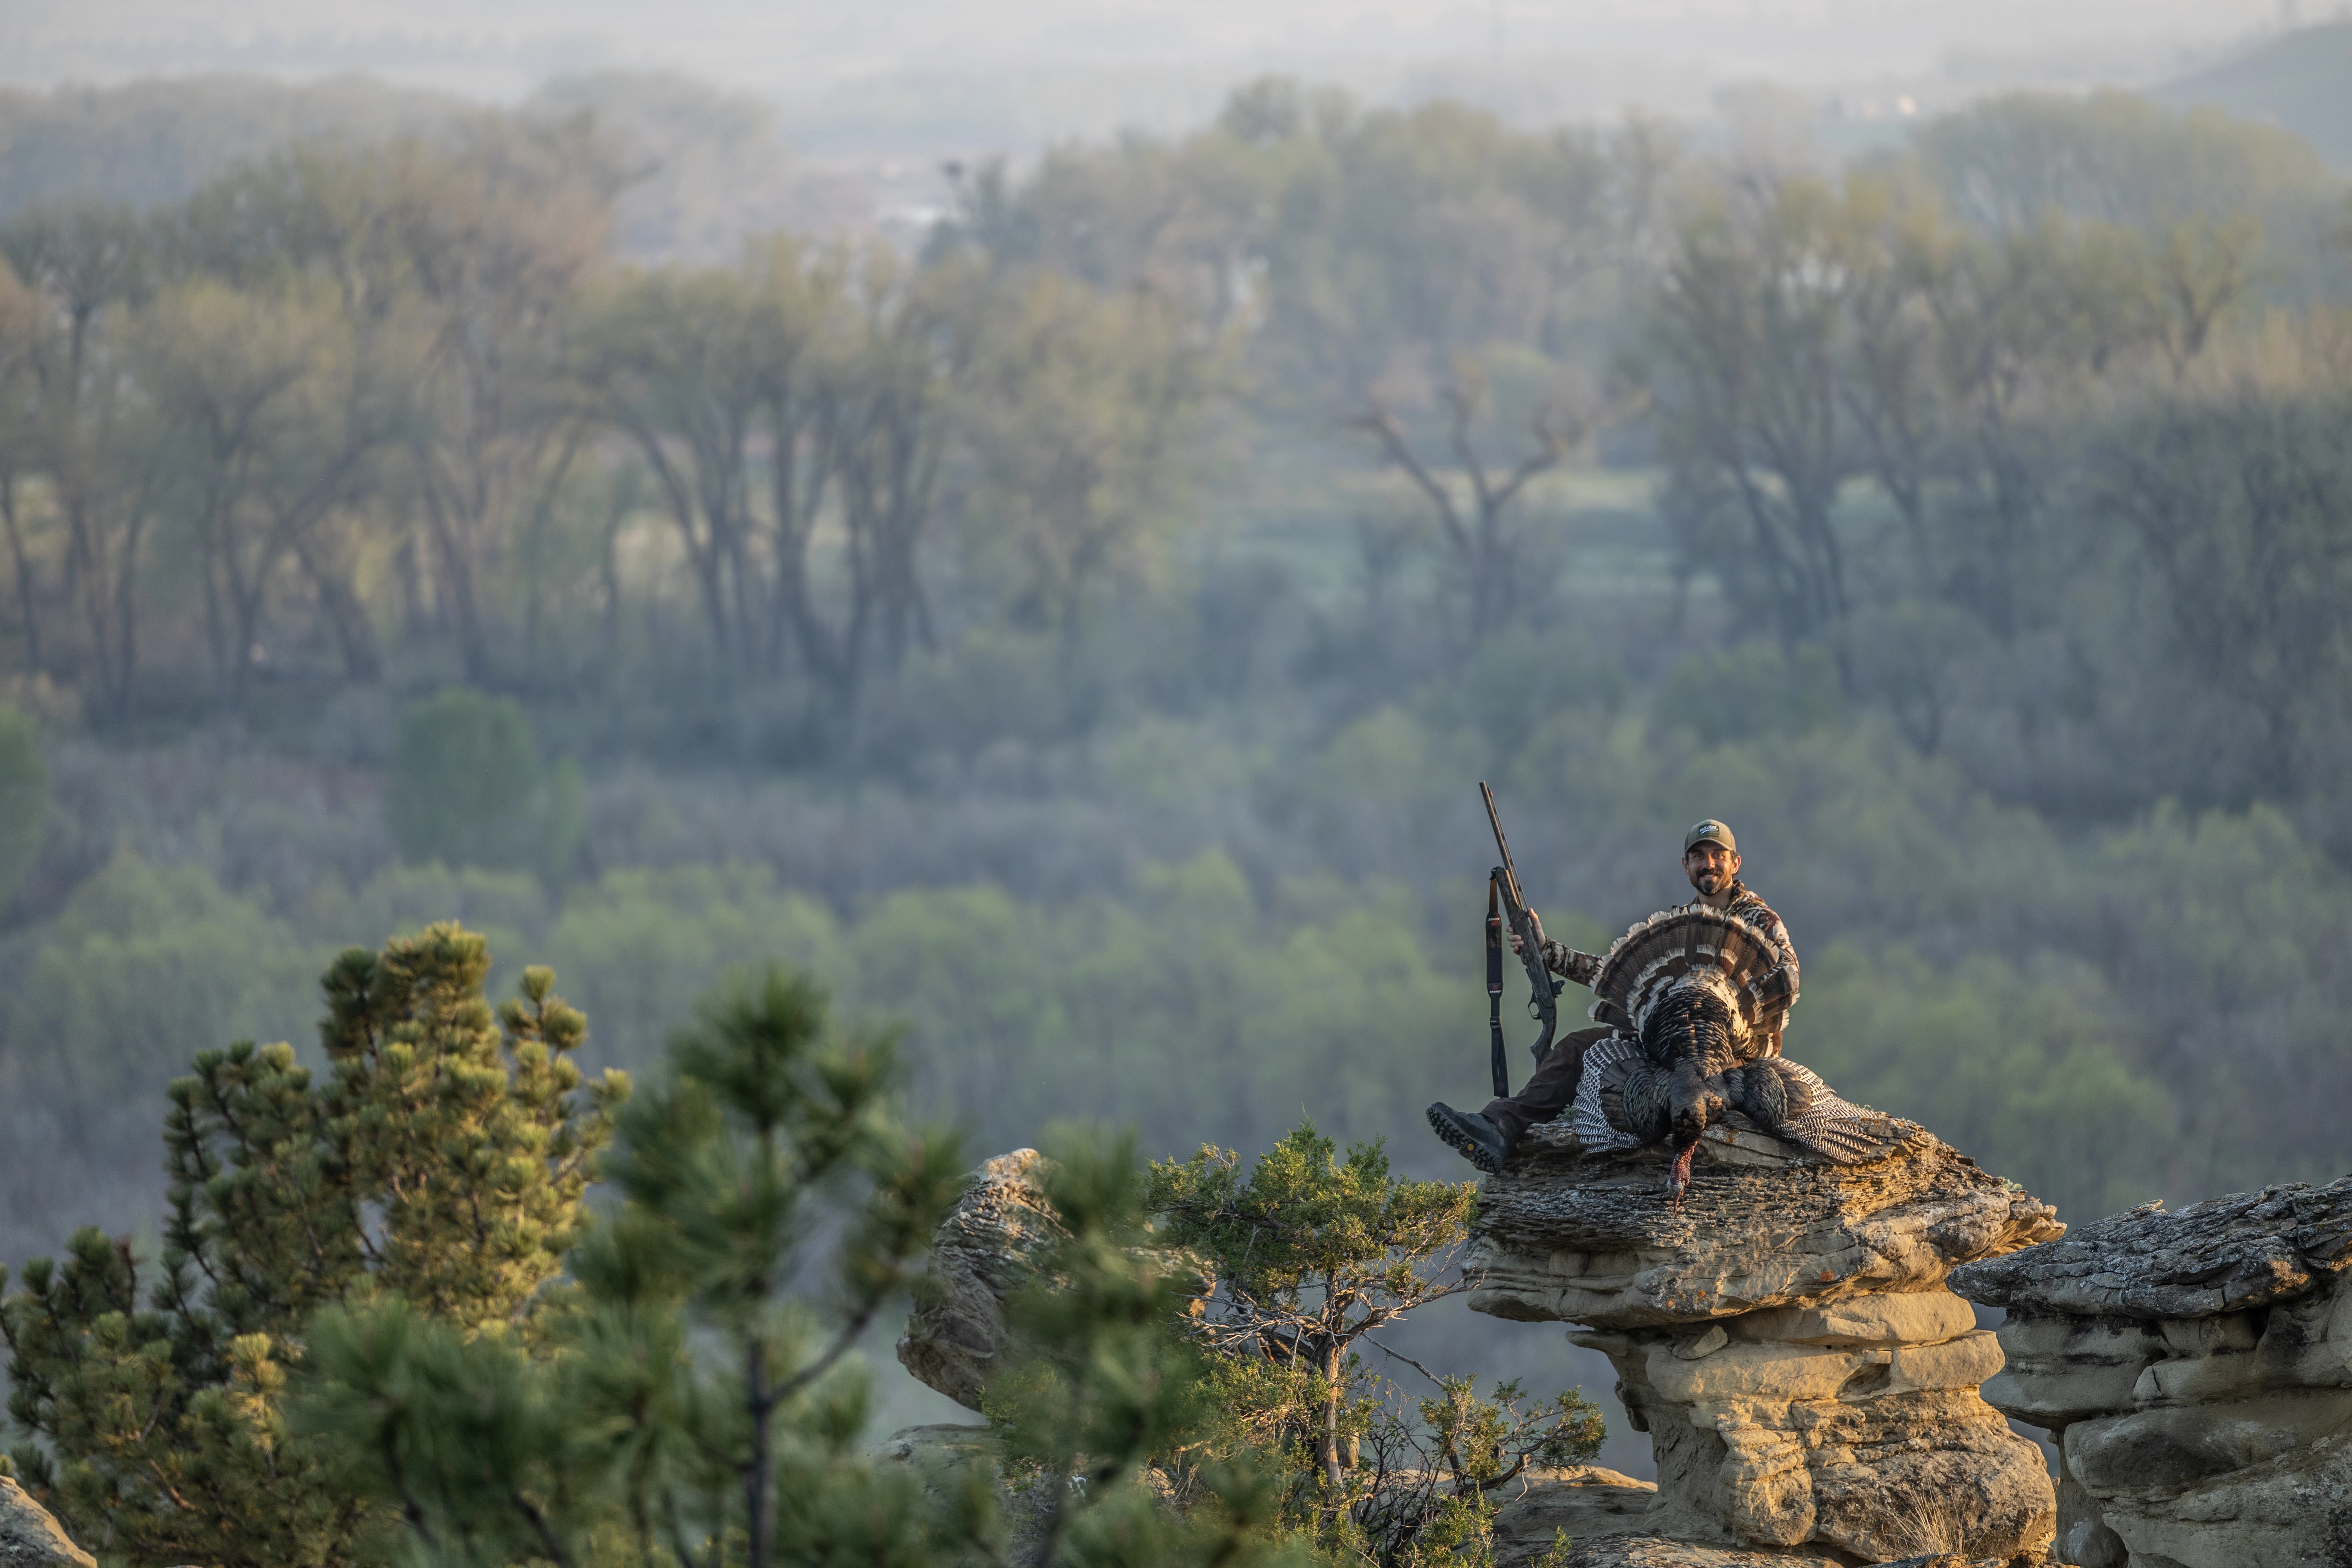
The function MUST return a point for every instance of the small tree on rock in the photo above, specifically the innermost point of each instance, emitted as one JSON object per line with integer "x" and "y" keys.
{"x": 1108, "y": 1410}
{"x": 1311, "y": 1253}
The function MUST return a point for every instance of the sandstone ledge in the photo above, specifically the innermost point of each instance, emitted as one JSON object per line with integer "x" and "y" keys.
{"x": 2195, "y": 1370}
{"x": 1567, "y": 1235}
{"x": 1807, "y": 1383}
{"x": 2225, "y": 1254}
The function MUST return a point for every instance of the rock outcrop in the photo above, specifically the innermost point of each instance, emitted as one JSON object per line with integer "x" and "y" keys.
{"x": 30, "y": 1536}
{"x": 1784, "y": 1337}
{"x": 1602, "y": 1513}
{"x": 985, "y": 1251}
{"x": 2195, "y": 1370}
{"x": 944, "y": 1454}
{"x": 1584, "y": 1502}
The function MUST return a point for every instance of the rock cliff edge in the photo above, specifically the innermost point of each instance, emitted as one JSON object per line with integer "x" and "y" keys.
{"x": 1785, "y": 1337}
{"x": 2195, "y": 1369}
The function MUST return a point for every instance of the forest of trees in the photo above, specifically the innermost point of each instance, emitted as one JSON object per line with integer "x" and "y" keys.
{"x": 1078, "y": 635}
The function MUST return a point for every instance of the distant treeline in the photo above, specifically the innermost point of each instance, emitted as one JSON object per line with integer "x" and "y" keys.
{"x": 2035, "y": 428}
{"x": 403, "y": 391}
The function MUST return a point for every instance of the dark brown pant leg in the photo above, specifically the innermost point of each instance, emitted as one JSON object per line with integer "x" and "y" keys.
{"x": 1550, "y": 1091}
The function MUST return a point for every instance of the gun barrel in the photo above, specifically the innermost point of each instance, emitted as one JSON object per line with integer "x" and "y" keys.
{"x": 1502, "y": 845}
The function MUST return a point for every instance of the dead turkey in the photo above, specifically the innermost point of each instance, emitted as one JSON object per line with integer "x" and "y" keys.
{"x": 1698, "y": 998}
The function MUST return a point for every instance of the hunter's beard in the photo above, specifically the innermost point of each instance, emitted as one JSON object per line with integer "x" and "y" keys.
{"x": 1710, "y": 883}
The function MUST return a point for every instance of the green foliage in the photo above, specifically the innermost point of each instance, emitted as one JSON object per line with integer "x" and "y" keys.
{"x": 465, "y": 788}
{"x": 1516, "y": 680}
{"x": 2112, "y": 155}
{"x": 154, "y": 141}
{"x": 1108, "y": 1405}
{"x": 453, "y": 1414}
{"x": 84, "y": 1047}
{"x": 463, "y": 778}
{"x": 1741, "y": 693}
{"x": 648, "y": 944}
{"x": 1077, "y": 412}
{"x": 442, "y": 1159}
{"x": 1023, "y": 1010}
{"x": 1431, "y": 277}
{"x": 2027, "y": 1073}
{"x": 2244, "y": 502}
{"x": 2022, "y": 444}
{"x": 997, "y": 682}
{"x": 208, "y": 966}
{"x": 562, "y": 824}
{"x": 1307, "y": 1256}
{"x": 510, "y": 907}
{"x": 1305, "y": 1223}
{"x": 702, "y": 1408}
{"x": 24, "y": 797}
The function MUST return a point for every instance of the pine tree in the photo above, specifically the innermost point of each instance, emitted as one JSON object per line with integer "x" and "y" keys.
{"x": 704, "y": 1409}
{"x": 1109, "y": 1404}
{"x": 442, "y": 1161}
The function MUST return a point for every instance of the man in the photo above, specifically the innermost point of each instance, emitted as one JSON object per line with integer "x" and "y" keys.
{"x": 1485, "y": 1138}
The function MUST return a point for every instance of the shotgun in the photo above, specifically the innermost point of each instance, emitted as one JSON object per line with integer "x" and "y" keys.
{"x": 1543, "y": 998}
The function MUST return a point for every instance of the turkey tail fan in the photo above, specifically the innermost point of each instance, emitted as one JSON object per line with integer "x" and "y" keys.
{"x": 1766, "y": 999}
{"x": 1655, "y": 953}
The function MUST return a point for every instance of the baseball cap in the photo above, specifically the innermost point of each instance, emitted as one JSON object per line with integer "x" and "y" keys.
{"x": 1710, "y": 832}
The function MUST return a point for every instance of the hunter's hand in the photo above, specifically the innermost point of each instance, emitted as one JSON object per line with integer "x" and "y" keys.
{"x": 1536, "y": 921}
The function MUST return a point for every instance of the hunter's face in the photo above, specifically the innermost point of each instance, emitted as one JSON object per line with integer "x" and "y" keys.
{"x": 1710, "y": 868}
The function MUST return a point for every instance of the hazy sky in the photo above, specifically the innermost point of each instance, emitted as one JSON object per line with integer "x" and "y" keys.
{"x": 798, "y": 47}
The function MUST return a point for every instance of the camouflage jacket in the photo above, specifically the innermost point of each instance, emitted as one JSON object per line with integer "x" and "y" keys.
{"x": 1583, "y": 968}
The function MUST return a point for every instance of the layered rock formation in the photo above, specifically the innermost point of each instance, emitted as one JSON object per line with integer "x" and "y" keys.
{"x": 1584, "y": 1503}
{"x": 2196, "y": 1371}
{"x": 985, "y": 1251}
{"x": 1784, "y": 1336}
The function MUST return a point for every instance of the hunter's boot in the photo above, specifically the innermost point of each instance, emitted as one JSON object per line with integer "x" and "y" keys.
{"x": 1482, "y": 1142}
